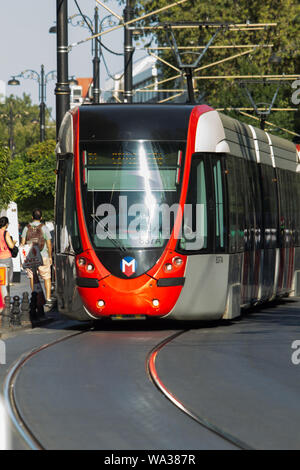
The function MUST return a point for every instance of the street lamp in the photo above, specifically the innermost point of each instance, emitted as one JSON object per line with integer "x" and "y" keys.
{"x": 13, "y": 81}
{"x": 73, "y": 81}
{"x": 95, "y": 27}
{"x": 42, "y": 80}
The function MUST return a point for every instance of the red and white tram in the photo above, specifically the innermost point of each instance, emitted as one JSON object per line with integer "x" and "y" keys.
{"x": 224, "y": 196}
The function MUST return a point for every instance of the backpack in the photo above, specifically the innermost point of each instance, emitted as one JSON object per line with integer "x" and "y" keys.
{"x": 35, "y": 235}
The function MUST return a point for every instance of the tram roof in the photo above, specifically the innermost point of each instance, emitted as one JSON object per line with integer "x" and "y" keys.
{"x": 134, "y": 121}
{"x": 244, "y": 141}
{"x": 216, "y": 132}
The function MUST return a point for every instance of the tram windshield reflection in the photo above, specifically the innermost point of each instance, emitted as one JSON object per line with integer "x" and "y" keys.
{"x": 125, "y": 186}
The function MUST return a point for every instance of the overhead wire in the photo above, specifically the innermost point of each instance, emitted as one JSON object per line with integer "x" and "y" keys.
{"x": 106, "y": 48}
{"x": 92, "y": 31}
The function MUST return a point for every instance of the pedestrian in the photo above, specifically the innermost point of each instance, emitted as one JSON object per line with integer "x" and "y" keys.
{"x": 37, "y": 233}
{"x": 6, "y": 243}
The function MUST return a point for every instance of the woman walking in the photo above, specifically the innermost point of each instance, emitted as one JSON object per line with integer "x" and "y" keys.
{"x": 6, "y": 243}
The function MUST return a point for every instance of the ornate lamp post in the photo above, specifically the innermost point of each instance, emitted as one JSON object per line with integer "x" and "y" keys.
{"x": 42, "y": 80}
{"x": 95, "y": 27}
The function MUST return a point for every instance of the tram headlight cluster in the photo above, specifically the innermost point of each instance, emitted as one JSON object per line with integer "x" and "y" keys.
{"x": 85, "y": 264}
{"x": 171, "y": 266}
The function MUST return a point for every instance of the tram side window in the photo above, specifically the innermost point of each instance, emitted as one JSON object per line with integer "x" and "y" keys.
{"x": 232, "y": 216}
{"x": 287, "y": 207}
{"x": 220, "y": 236}
{"x": 242, "y": 207}
{"x": 256, "y": 201}
{"x": 283, "y": 204}
{"x": 236, "y": 190}
{"x": 69, "y": 234}
{"x": 292, "y": 209}
{"x": 297, "y": 207}
{"x": 270, "y": 206}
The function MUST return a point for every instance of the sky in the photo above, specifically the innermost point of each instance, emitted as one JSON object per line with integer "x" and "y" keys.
{"x": 27, "y": 44}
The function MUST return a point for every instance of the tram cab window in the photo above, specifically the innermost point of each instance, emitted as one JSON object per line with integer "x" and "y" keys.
{"x": 195, "y": 226}
{"x": 127, "y": 188}
{"x": 203, "y": 228}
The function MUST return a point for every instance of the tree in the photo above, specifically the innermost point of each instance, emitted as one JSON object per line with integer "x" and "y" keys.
{"x": 6, "y": 191}
{"x": 281, "y": 58}
{"x": 19, "y": 123}
{"x": 33, "y": 178}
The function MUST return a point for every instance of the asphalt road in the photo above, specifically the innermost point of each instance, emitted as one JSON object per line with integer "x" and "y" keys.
{"x": 93, "y": 391}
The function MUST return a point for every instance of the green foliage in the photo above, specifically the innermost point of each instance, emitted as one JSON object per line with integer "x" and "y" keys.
{"x": 33, "y": 177}
{"x": 29, "y": 179}
{"x": 5, "y": 185}
{"x": 19, "y": 123}
{"x": 226, "y": 93}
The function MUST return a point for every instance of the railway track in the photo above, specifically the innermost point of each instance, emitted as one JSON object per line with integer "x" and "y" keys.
{"x": 33, "y": 441}
{"x": 14, "y": 412}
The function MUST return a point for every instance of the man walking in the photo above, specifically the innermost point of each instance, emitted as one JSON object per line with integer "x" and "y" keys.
{"x": 37, "y": 233}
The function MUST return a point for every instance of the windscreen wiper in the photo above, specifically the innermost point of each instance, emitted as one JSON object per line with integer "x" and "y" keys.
{"x": 114, "y": 241}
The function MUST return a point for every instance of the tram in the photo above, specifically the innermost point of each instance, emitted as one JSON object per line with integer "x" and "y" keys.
{"x": 173, "y": 211}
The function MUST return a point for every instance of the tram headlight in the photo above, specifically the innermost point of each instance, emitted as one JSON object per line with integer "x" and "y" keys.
{"x": 100, "y": 303}
{"x": 90, "y": 267}
{"x": 81, "y": 262}
{"x": 155, "y": 303}
{"x": 177, "y": 261}
{"x": 168, "y": 267}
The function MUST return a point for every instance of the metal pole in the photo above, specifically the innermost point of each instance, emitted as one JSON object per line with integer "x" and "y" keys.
{"x": 62, "y": 89}
{"x": 96, "y": 61}
{"x": 190, "y": 86}
{"x": 128, "y": 53}
{"x": 11, "y": 143}
{"x": 42, "y": 104}
{"x": 262, "y": 122}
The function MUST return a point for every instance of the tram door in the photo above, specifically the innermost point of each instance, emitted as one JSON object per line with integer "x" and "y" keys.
{"x": 270, "y": 228}
{"x": 254, "y": 223}
{"x": 287, "y": 224}
{"x": 67, "y": 237}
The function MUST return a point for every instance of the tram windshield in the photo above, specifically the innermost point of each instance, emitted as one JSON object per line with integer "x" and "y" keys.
{"x": 131, "y": 192}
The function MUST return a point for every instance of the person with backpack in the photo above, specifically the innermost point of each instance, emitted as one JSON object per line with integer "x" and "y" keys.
{"x": 37, "y": 233}
{"x": 6, "y": 244}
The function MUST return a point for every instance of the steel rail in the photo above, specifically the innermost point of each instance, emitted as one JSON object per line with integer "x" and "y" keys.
{"x": 154, "y": 377}
{"x": 9, "y": 392}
